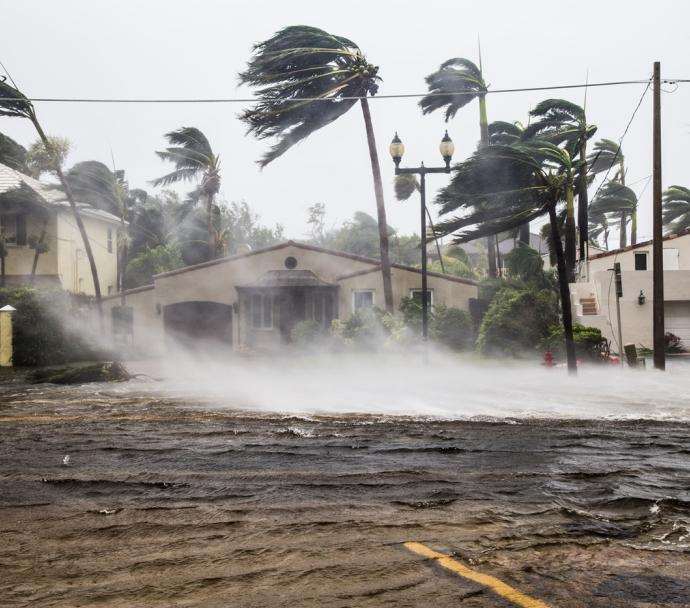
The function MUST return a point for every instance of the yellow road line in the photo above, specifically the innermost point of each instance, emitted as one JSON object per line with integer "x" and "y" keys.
{"x": 497, "y": 586}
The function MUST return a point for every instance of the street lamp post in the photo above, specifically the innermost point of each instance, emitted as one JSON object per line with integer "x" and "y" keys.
{"x": 397, "y": 149}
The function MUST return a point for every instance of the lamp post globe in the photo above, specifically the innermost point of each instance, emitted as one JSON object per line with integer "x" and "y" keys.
{"x": 397, "y": 149}
{"x": 446, "y": 148}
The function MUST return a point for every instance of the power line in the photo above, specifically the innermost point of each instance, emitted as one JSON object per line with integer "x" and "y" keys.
{"x": 329, "y": 99}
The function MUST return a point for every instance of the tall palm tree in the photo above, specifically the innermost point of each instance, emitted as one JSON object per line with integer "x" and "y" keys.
{"x": 618, "y": 200}
{"x": 291, "y": 69}
{"x": 562, "y": 122}
{"x": 459, "y": 74}
{"x": 193, "y": 158}
{"x": 676, "y": 209}
{"x": 501, "y": 187}
{"x": 14, "y": 103}
{"x": 94, "y": 183}
{"x": 606, "y": 155}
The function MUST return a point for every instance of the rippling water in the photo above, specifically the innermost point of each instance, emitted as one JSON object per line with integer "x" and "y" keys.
{"x": 174, "y": 498}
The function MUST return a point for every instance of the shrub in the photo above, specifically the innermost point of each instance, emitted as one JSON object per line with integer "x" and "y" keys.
{"x": 307, "y": 333}
{"x": 452, "y": 327}
{"x": 142, "y": 268}
{"x": 517, "y": 321}
{"x": 524, "y": 263}
{"x": 673, "y": 344}
{"x": 371, "y": 328}
{"x": 44, "y": 327}
{"x": 589, "y": 343}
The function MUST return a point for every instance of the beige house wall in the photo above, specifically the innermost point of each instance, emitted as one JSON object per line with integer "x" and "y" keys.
{"x": 73, "y": 264}
{"x": 636, "y": 319}
{"x": 217, "y": 282}
{"x": 20, "y": 259}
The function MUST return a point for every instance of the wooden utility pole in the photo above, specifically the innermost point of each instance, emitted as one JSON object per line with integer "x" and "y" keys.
{"x": 657, "y": 248}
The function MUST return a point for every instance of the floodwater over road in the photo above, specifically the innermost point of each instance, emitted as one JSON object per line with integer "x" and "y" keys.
{"x": 172, "y": 498}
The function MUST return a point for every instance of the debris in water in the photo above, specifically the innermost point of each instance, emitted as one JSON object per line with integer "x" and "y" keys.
{"x": 108, "y": 511}
{"x": 108, "y": 371}
{"x": 65, "y": 460}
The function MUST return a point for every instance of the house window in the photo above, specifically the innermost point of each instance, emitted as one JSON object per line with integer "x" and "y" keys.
{"x": 110, "y": 240}
{"x": 261, "y": 311}
{"x": 416, "y": 295}
{"x": 670, "y": 259}
{"x": 641, "y": 260}
{"x": 363, "y": 298}
{"x": 322, "y": 309}
{"x": 13, "y": 228}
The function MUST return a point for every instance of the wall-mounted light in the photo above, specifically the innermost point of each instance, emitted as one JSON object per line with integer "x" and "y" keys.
{"x": 641, "y": 299}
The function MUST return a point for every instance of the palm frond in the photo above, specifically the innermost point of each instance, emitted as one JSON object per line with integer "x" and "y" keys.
{"x": 297, "y": 65}
{"x": 455, "y": 84}
{"x": 13, "y": 102}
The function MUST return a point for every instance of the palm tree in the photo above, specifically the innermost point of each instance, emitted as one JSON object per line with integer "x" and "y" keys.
{"x": 606, "y": 155}
{"x": 293, "y": 68}
{"x": 598, "y": 226}
{"x": 615, "y": 199}
{"x": 459, "y": 74}
{"x": 501, "y": 187}
{"x": 676, "y": 209}
{"x": 12, "y": 154}
{"x": 15, "y": 104}
{"x": 193, "y": 157}
{"x": 564, "y": 123}
{"x": 506, "y": 133}
{"x": 94, "y": 183}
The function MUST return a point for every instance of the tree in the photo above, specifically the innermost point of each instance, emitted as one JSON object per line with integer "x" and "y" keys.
{"x": 142, "y": 268}
{"x": 455, "y": 75}
{"x": 506, "y": 133}
{"x": 676, "y": 209}
{"x": 193, "y": 158}
{"x": 13, "y": 154}
{"x": 43, "y": 156}
{"x": 606, "y": 155}
{"x": 615, "y": 199}
{"x": 13, "y": 103}
{"x": 564, "y": 123}
{"x": 301, "y": 63}
{"x": 498, "y": 188}
{"x": 316, "y": 218}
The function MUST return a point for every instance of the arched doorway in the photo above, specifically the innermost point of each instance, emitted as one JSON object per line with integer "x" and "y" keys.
{"x": 193, "y": 322}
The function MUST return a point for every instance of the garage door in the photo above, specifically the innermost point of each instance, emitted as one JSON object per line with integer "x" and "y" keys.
{"x": 677, "y": 320}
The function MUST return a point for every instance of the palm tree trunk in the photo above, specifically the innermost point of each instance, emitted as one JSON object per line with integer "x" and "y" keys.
{"x": 209, "y": 225}
{"x": 37, "y": 251}
{"x": 583, "y": 203}
{"x": 564, "y": 289}
{"x": 633, "y": 226}
{"x": 570, "y": 233}
{"x": 484, "y": 141}
{"x": 623, "y": 242}
{"x": 77, "y": 218}
{"x": 2, "y": 271}
{"x": 380, "y": 208}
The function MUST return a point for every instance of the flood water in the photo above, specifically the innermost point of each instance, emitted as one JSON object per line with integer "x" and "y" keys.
{"x": 173, "y": 499}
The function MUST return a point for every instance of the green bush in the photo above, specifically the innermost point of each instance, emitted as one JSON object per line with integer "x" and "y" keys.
{"x": 452, "y": 327}
{"x": 370, "y": 328}
{"x": 517, "y": 321}
{"x": 307, "y": 333}
{"x": 589, "y": 342}
{"x": 524, "y": 263}
{"x": 41, "y": 335}
{"x": 142, "y": 268}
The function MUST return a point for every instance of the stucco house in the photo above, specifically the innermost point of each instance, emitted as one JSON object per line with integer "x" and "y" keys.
{"x": 30, "y": 209}
{"x": 254, "y": 299}
{"x": 594, "y": 296}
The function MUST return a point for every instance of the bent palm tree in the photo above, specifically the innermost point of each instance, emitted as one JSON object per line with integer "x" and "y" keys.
{"x": 501, "y": 187}
{"x": 454, "y": 85}
{"x": 606, "y": 155}
{"x": 15, "y": 104}
{"x": 505, "y": 133}
{"x": 564, "y": 123}
{"x": 676, "y": 209}
{"x": 291, "y": 69}
{"x": 193, "y": 158}
{"x": 615, "y": 199}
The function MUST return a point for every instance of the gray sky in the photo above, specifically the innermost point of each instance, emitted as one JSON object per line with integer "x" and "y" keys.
{"x": 172, "y": 48}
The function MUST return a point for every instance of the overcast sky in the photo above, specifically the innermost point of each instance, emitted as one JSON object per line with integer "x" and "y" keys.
{"x": 173, "y": 48}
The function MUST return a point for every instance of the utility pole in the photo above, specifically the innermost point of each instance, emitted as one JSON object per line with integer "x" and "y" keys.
{"x": 657, "y": 247}
{"x": 619, "y": 295}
